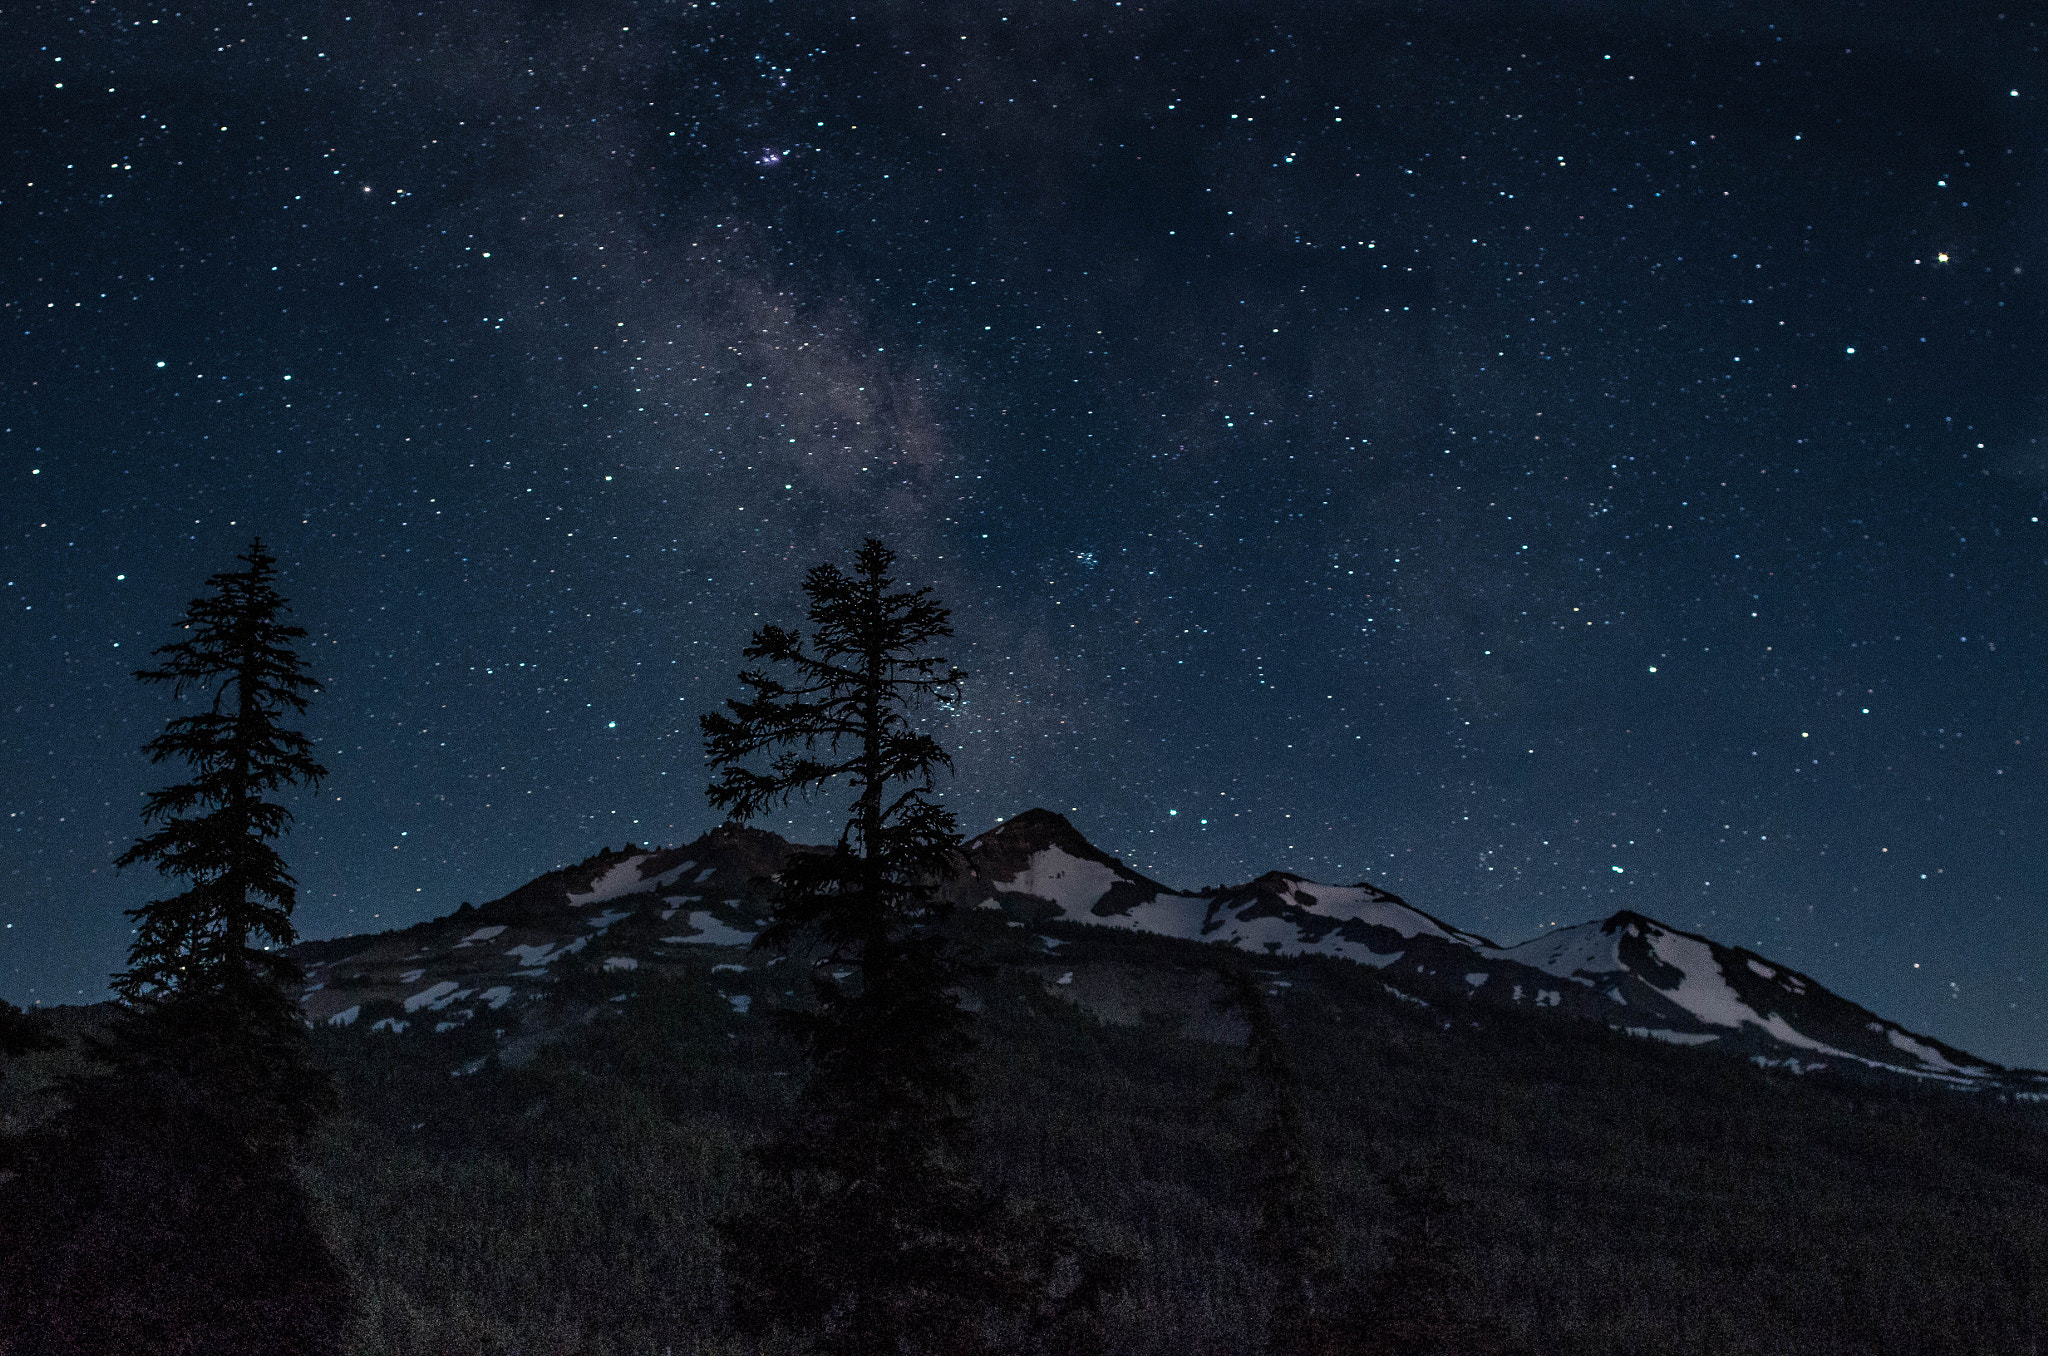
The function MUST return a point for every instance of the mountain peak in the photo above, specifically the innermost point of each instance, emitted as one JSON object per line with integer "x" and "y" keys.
{"x": 1006, "y": 850}
{"x": 1036, "y": 829}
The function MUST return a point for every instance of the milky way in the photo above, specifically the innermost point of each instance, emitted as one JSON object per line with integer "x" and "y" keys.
{"x": 1539, "y": 463}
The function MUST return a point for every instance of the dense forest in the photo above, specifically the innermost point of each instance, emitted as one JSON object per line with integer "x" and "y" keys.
{"x": 1589, "y": 1193}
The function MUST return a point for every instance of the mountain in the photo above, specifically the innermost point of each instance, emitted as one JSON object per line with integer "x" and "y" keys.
{"x": 695, "y": 909}
{"x": 1627, "y": 971}
{"x": 666, "y": 909}
{"x": 1592, "y": 1193}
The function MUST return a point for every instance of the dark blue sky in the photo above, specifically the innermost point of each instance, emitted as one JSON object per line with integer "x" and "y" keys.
{"x": 1542, "y": 463}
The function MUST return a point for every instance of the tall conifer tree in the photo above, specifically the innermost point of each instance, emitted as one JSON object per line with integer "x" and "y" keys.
{"x": 21, "y": 1032}
{"x": 871, "y": 1235}
{"x": 159, "y": 1211}
{"x": 1419, "y": 1303}
{"x": 1295, "y": 1234}
{"x": 239, "y": 653}
{"x": 208, "y": 967}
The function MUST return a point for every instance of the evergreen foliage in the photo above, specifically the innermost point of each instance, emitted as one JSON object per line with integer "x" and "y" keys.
{"x": 1419, "y": 1301}
{"x": 20, "y": 1032}
{"x": 159, "y": 1210}
{"x": 872, "y": 1233}
{"x": 205, "y": 992}
{"x": 239, "y": 893}
{"x": 1295, "y": 1236}
{"x": 1422, "y": 1301}
{"x": 1627, "y": 1198}
{"x": 141, "y": 1221}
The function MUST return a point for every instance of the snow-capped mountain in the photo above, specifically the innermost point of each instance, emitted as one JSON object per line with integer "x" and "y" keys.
{"x": 1627, "y": 971}
{"x": 694, "y": 910}
{"x": 691, "y": 909}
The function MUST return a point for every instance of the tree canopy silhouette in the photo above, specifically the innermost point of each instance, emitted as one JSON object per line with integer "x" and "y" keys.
{"x": 207, "y": 983}
{"x": 871, "y": 1233}
{"x": 238, "y": 651}
{"x": 1295, "y": 1236}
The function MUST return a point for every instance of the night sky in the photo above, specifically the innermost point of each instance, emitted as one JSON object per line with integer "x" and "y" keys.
{"x": 1542, "y": 459}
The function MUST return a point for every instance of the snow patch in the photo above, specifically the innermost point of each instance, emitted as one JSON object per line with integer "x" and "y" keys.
{"x": 711, "y": 932}
{"x": 391, "y": 1024}
{"x": 621, "y": 963}
{"x": 1068, "y": 881}
{"x": 1673, "y": 1037}
{"x": 1363, "y": 904}
{"x": 668, "y": 877}
{"x": 1568, "y": 953}
{"x": 1788, "y": 1062}
{"x": 346, "y": 1017}
{"x": 609, "y": 917}
{"x": 1477, "y": 978}
{"x": 740, "y": 1002}
{"x": 622, "y": 879}
{"x": 481, "y": 935}
{"x": 1280, "y": 936}
{"x": 1702, "y": 989}
{"x": 539, "y": 954}
{"x": 706, "y": 874}
{"x": 1927, "y": 1054}
{"x": 445, "y": 989}
{"x": 1782, "y": 1030}
{"x": 411, "y": 977}
{"x": 1760, "y": 968}
{"x": 1704, "y": 992}
{"x": 498, "y": 995}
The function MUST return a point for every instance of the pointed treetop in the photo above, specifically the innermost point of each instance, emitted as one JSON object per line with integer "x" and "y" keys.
{"x": 238, "y": 629}
{"x": 213, "y": 830}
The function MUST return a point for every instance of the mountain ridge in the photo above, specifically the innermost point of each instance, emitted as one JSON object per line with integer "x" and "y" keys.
{"x": 678, "y": 907}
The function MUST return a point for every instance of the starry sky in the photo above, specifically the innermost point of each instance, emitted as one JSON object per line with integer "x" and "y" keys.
{"x": 1543, "y": 460}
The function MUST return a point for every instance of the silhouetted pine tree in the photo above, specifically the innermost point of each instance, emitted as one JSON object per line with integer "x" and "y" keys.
{"x": 872, "y": 1235}
{"x": 159, "y": 1211}
{"x": 21, "y": 1032}
{"x": 1421, "y": 1301}
{"x": 1295, "y": 1236}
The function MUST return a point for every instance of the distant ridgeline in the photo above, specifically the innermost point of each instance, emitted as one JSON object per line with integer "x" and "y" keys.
{"x": 666, "y": 911}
